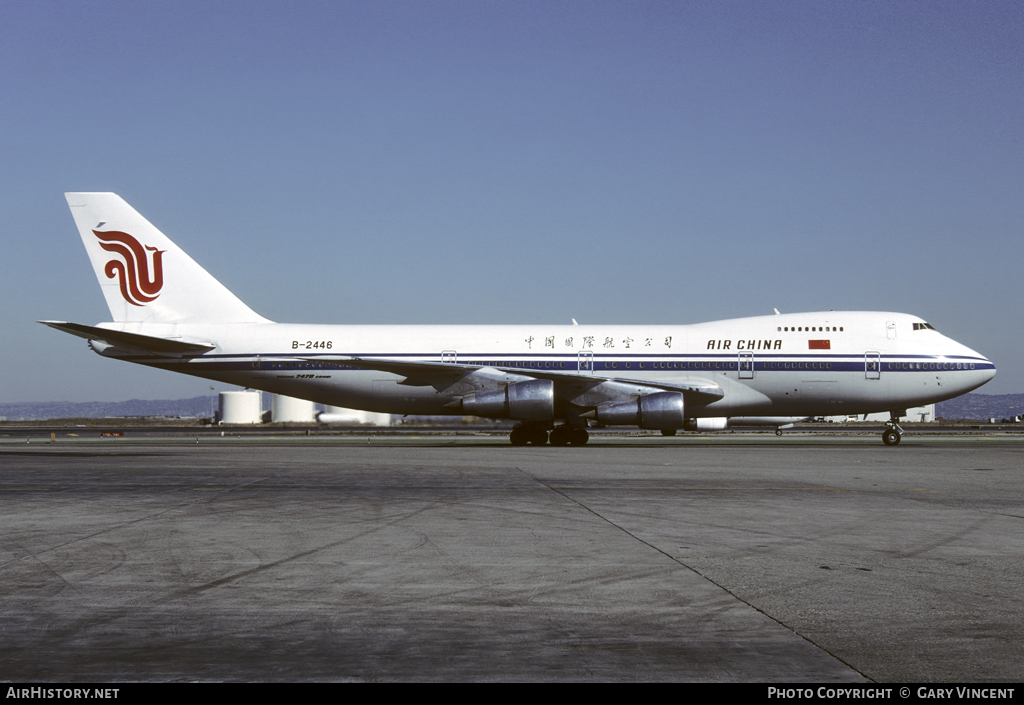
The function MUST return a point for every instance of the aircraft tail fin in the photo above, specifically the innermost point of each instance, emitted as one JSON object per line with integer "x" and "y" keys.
{"x": 144, "y": 276}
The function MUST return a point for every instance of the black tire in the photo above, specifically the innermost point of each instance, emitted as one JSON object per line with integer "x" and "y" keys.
{"x": 668, "y": 432}
{"x": 578, "y": 437}
{"x": 891, "y": 437}
{"x": 778, "y": 432}
{"x": 518, "y": 437}
{"x": 539, "y": 437}
{"x": 560, "y": 436}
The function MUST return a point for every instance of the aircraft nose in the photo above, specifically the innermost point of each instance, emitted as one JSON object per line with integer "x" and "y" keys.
{"x": 972, "y": 369}
{"x": 981, "y": 371}
{"x": 988, "y": 370}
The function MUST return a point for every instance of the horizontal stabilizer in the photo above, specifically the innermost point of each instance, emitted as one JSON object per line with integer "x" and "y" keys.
{"x": 148, "y": 343}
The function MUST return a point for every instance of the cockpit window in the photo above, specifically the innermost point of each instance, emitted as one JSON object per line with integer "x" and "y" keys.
{"x": 923, "y": 326}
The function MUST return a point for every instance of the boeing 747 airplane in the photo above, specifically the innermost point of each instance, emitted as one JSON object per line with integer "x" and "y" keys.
{"x": 169, "y": 313}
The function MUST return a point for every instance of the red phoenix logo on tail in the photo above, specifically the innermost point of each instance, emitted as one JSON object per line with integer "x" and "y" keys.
{"x": 137, "y": 287}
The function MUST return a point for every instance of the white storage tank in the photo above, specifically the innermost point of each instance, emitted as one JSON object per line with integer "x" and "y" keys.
{"x": 291, "y": 410}
{"x": 339, "y": 414}
{"x": 239, "y": 407}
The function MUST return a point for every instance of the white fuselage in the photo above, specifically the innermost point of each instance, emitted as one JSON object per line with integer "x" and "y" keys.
{"x": 783, "y": 365}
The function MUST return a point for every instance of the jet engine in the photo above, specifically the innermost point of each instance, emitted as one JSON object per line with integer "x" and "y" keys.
{"x": 533, "y": 400}
{"x": 660, "y": 410}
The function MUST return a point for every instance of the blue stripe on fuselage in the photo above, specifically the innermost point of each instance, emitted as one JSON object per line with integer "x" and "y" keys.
{"x": 616, "y": 363}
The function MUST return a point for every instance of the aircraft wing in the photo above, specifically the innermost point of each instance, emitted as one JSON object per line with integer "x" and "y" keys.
{"x": 147, "y": 343}
{"x": 431, "y": 373}
{"x": 406, "y": 368}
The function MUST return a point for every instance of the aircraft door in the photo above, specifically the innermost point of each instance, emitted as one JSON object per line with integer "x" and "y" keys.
{"x": 872, "y": 365}
{"x": 585, "y": 361}
{"x": 746, "y": 365}
{"x": 890, "y": 330}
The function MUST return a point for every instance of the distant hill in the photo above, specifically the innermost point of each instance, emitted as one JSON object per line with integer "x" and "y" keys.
{"x": 969, "y": 406}
{"x": 196, "y": 407}
{"x": 981, "y": 406}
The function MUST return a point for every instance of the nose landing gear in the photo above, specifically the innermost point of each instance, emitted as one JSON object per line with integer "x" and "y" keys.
{"x": 892, "y": 434}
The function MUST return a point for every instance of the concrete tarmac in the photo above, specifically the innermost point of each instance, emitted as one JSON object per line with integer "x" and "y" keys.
{"x": 727, "y": 558}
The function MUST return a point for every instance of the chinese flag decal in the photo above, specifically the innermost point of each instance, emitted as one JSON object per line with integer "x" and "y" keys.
{"x": 819, "y": 344}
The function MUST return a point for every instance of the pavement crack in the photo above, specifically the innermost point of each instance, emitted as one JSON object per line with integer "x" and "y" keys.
{"x": 37, "y": 559}
{"x": 695, "y": 571}
{"x": 302, "y": 554}
{"x": 948, "y": 539}
{"x": 133, "y": 522}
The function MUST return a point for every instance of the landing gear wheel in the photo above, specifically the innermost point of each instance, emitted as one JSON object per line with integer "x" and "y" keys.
{"x": 891, "y": 437}
{"x": 578, "y": 437}
{"x": 892, "y": 434}
{"x": 529, "y": 433}
{"x": 560, "y": 436}
{"x": 668, "y": 432}
{"x": 778, "y": 432}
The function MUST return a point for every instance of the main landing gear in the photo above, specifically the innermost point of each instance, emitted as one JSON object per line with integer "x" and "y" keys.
{"x": 569, "y": 436}
{"x": 893, "y": 433}
{"x": 537, "y": 434}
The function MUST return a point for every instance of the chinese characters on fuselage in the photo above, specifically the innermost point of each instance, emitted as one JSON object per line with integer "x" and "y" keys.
{"x": 587, "y": 341}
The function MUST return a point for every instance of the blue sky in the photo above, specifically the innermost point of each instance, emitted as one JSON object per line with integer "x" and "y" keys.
{"x": 511, "y": 162}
